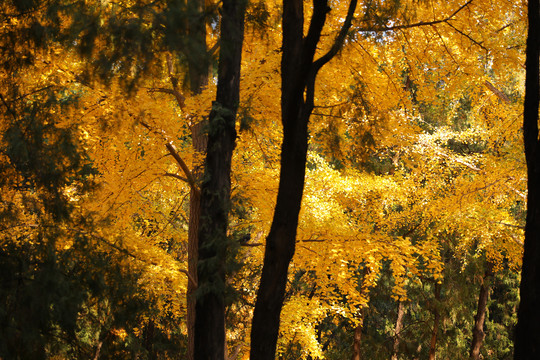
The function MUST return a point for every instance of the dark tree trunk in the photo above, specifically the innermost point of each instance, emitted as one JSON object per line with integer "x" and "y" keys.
{"x": 298, "y": 73}
{"x": 436, "y": 321}
{"x": 199, "y": 140}
{"x": 196, "y": 51}
{"x": 216, "y": 187}
{"x": 148, "y": 336}
{"x": 397, "y": 330}
{"x": 478, "y": 330}
{"x": 527, "y": 340}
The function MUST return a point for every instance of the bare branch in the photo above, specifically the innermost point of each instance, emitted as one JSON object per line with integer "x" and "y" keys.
{"x": 502, "y": 96}
{"x": 176, "y": 176}
{"x": 183, "y": 166}
{"x": 190, "y": 277}
{"x": 467, "y": 36}
{"x": 459, "y": 161}
{"x": 520, "y": 194}
{"x": 172, "y": 150}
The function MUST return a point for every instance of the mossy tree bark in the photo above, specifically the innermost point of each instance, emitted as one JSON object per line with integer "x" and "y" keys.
{"x": 216, "y": 188}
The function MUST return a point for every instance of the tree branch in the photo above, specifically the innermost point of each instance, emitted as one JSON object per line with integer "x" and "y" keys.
{"x": 502, "y": 96}
{"x": 176, "y": 176}
{"x": 190, "y": 179}
{"x": 320, "y": 62}
{"x": 340, "y": 39}
{"x": 190, "y": 277}
{"x": 467, "y": 36}
{"x": 172, "y": 150}
{"x": 180, "y": 99}
{"x": 418, "y": 24}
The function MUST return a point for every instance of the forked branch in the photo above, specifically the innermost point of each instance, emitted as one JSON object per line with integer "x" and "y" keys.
{"x": 174, "y": 153}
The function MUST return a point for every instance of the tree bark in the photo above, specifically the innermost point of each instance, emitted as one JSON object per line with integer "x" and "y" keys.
{"x": 148, "y": 336}
{"x": 198, "y": 68}
{"x": 478, "y": 330}
{"x": 436, "y": 321}
{"x": 216, "y": 187}
{"x": 298, "y": 74}
{"x": 357, "y": 341}
{"x": 199, "y": 142}
{"x": 397, "y": 330}
{"x": 527, "y": 338}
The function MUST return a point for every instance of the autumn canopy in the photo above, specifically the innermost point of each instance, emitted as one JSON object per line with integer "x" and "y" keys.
{"x": 249, "y": 179}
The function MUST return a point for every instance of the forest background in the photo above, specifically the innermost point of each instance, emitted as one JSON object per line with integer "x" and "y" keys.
{"x": 409, "y": 241}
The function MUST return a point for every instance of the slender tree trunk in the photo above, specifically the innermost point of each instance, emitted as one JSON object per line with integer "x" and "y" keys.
{"x": 397, "y": 329}
{"x": 480, "y": 317}
{"x": 436, "y": 321}
{"x": 527, "y": 338}
{"x": 216, "y": 187}
{"x": 198, "y": 66}
{"x": 298, "y": 74}
{"x": 357, "y": 341}
{"x": 148, "y": 336}
{"x": 199, "y": 140}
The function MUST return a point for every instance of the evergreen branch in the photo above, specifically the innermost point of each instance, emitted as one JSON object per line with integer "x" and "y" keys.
{"x": 129, "y": 253}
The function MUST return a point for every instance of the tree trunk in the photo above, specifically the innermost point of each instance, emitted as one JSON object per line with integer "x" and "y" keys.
{"x": 199, "y": 140}
{"x": 198, "y": 68}
{"x": 148, "y": 336}
{"x": 436, "y": 321}
{"x": 397, "y": 330}
{"x": 527, "y": 338}
{"x": 298, "y": 74}
{"x": 478, "y": 330}
{"x": 216, "y": 187}
{"x": 357, "y": 341}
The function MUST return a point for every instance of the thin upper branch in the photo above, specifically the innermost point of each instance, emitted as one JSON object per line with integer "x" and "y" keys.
{"x": 320, "y": 62}
{"x": 418, "y": 24}
{"x": 340, "y": 39}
